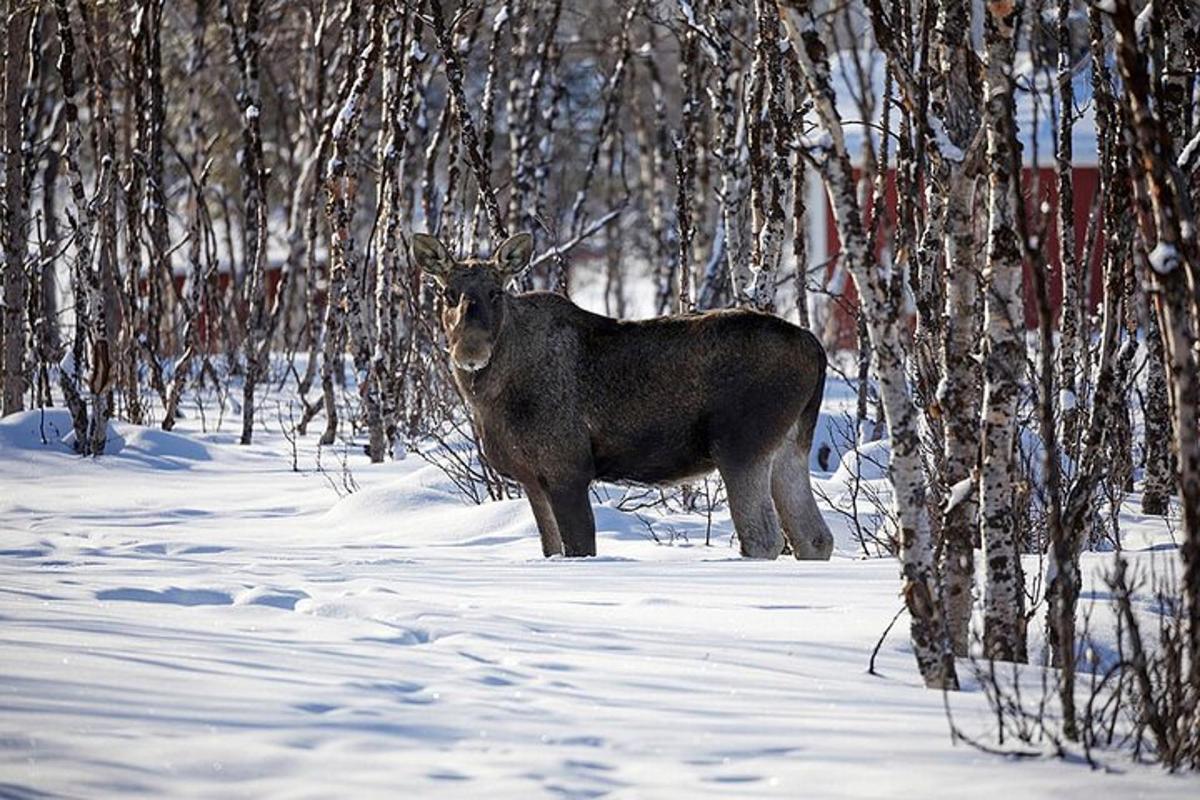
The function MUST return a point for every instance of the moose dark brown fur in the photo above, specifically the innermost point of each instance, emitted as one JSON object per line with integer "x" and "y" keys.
{"x": 564, "y": 397}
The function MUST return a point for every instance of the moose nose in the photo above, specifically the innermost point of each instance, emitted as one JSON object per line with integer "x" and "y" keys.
{"x": 473, "y": 364}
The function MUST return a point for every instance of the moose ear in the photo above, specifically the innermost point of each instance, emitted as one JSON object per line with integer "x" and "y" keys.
{"x": 513, "y": 254}
{"x": 431, "y": 255}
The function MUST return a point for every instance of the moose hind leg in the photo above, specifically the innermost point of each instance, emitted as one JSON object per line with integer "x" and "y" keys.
{"x": 791, "y": 488}
{"x": 573, "y": 512}
{"x": 552, "y": 544}
{"x": 754, "y": 517}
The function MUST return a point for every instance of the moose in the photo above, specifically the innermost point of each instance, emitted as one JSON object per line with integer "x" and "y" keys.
{"x": 564, "y": 397}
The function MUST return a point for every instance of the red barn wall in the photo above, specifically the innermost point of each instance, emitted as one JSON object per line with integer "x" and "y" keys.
{"x": 1085, "y": 181}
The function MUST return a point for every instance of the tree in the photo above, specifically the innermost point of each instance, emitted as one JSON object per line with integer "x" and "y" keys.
{"x": 13, "y": 220}
{"x": 244, "y": 34}
{"x": 922, "y": 590}
{"x": 1004, "y": 356}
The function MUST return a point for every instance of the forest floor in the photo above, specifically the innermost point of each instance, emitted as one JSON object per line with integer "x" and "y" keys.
{"x": 187, "y": 617}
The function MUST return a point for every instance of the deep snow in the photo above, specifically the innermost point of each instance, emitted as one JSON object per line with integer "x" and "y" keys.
{"x": 186, "y": 617}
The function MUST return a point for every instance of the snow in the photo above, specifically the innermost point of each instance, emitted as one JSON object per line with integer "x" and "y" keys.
{"x": 1188, "y": 155}
{"x": 186, "y": 617}
{"x": 689, "y": 13}
{"x": 1035, "y": 125}
{"x": 345, "y": 117}
{"x": 1141, "y": 24}
{"x": 1164, "y": 258}
{"x": 946, "y": 147}
{"x": 959, "y": 493}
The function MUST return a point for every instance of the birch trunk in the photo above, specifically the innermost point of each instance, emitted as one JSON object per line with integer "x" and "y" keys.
{"x": 800, "y": 242}
{"x": 46, "y": 329}
{"x": 345, "y": 307}
{"x": 90, "y": 311}
{"x": 1175, "y": 263}
{"x": 731, "y": 145}
{"x": 399, "y": 82}
{"x": 769, "y": 168}
{"x": 101, "y": 280}
{"x": 685, "y": 172}
{"x": 1063, "y": 575}
{"x": 1004, "y": 355}
{"x": 13, "y": 235}
{"x": 1156, "y": 493}
{"x": 958, "y": 401}
{"x": 135, "y": 317}
{"x": 159, "y": 275}
{"x": 1176, "y": 88}
{"x": 193, "y": 303}
{"x": 256, "y": 345}
{"x": 1070, "y": 344}
{"x": 922, "y": 593}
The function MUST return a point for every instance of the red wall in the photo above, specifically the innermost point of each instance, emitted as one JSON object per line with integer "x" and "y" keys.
{"x": 208, "y": 326}
{"x": 1085, "y": 181}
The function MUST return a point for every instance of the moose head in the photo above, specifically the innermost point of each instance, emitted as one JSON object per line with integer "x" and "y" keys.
{"x": 473, "y": 294}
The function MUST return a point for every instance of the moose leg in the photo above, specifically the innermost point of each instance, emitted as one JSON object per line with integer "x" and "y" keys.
{"x": 754, "y": 518}
{"x": 791, "y": 489}
{"x": 552, "y": 544}
{"x": 573, "y": 512}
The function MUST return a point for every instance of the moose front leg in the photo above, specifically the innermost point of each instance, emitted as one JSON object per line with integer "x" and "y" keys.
{"x": 552, "y": 544}
{"x": 573, "y": 512}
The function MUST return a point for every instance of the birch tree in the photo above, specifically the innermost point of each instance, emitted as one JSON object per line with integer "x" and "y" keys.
{"x": 1175, "y": 263}
{"x": 193, "y": 304}
{"x": 922, "y": 592}
{"x": 730, "y": 144}
{"x": 1074, "y": 286}
{"x": 244, "y": 35}
{"x": 85, "y": 371}
{"x": 346, "y": 307}
{"x": 1004, "y": 354}
{"x": 956, "y": 102}
{"x": 103, "y": 279}
{"x": 15, "y": 211}
{"x": 769, "y": 168}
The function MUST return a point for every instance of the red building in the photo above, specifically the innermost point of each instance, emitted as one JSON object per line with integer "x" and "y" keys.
{"x": 1085, "y": 183}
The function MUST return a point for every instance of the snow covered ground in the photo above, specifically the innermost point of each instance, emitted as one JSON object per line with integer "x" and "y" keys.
{"x": 190, "y": 618}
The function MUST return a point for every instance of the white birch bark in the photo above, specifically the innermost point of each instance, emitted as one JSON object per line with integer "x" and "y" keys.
{"x": 256, "y": 345}
{"x": 958, "y": 401}
{"x": 1175, "y": 263}
{"x": 768, "y": 156}
{"x": 1070, "y": 344}
{"x": 90, "y": 307}
{"x": 193, "y": 303}
{"x": 730, "y": 149}
{"x": 1176, "y": 88}
{"x": 955, "y": 106}
{"x": 346, "y": 308}
{"x": 906, "y": 469}
{"x": 1004, "y": 356}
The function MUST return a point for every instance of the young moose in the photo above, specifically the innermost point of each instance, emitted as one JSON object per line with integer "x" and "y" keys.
{"x": 564, "y": 397}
